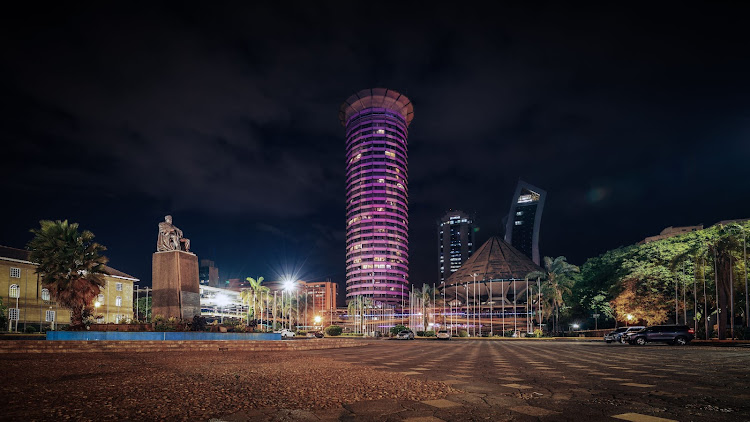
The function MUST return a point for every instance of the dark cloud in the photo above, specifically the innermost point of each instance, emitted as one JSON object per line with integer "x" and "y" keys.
{"x": 226, "y": 116}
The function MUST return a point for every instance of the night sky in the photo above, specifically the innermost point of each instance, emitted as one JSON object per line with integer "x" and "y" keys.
{"x": 633, "y": 117}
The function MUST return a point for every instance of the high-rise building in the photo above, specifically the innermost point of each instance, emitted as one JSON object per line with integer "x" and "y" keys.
{"x": 524, "y": 219}
{"x": 455, "y": 242}
{"x": 377, "y": 221}
{"x": 323, "y": 294}
{"x": 208, "y": 273}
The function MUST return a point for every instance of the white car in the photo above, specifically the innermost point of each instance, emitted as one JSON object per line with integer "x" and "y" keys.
{"x": 287, "y": 333}
{"x": 443, "y": 335}
{"x": 405, "y": 335}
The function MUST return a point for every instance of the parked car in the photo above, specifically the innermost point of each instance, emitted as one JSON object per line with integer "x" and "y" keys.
{"x": 286, "y": 333}
{"x": 405, "y": 335}
{"x": 671, "y": 334}
{"x": 316, "y": 334}
{"x": 617, "y": 335}
{"x": 443, "y": 335}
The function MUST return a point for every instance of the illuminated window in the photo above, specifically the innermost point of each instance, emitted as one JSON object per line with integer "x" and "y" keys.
{"x": 390, "y": 154}
{"x": 15, "y": 272}
{"x": 49, "y": 316}
{"x": 518, "y": 223}
{"x": 381, "y": 180}
{"x": 15, "y": 292}
{"x": 118, "y": 287}
{"x": 13, "y": 314}
{"x": 380, "y": 131}
{"x": 100, "y": 298}
{"x": 118, "y": 301}
{"x": 519, "y": 212}
{"x": 45, "y": 295}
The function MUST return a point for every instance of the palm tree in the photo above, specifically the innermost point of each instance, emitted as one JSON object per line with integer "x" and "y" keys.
{"x": 70, "y": 266}
{"x": 557, "y": 272}
{"x": 251, "y": 296}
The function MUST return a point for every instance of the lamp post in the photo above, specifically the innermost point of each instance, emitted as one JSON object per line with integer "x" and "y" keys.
{"x": 474, "y": 305}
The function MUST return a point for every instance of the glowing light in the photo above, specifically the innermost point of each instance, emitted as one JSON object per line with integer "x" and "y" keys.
{"x": 97, "y": 304}
{"x": 630, "y": 317}
{"x": 317, "y": 319}
{"x": 289, "y": 284}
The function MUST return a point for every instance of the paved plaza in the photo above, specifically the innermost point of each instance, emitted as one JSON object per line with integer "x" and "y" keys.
{"x": 387, "y": 380}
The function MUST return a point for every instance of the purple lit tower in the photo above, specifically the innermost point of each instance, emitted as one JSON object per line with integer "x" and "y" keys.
{"x": 377, "y": 211}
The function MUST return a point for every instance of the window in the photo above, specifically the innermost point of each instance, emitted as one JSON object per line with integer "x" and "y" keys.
{"x": 13, "y": 314}
{"x": 100, "y": 298}
{"x": 15, "y": 272}
{"x": 45, "y": 295}
{"x": 50, "y": 316}
{"x": 117, "y": 319}
{"x": 15, "y": 292}
{"x": 118, "y": 287}
{"x": 518, "y": 223}
{"x": 118, "y": 301}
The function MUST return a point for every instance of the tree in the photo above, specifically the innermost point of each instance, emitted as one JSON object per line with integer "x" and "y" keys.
{"x": 144, "y": 308}
{"x": 3, "y": 315}
{"x": 558, "y": 274}
{"x": 252, "y": 296}
{"x": 70, "y": 266}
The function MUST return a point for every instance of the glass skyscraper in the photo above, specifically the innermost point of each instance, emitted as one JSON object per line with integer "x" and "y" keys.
{"x": 524, "y": 219}
{"x": 377, "y": 212}
{"x": 455, "y": 242}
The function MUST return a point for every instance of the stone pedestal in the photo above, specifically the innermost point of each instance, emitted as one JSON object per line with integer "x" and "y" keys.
{"x": 176, "y": 287}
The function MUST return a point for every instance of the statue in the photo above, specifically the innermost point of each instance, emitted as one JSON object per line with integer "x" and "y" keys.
{"x": 170, "y": 237}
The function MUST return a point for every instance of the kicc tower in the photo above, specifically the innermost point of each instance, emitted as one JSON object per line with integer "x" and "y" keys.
{"x": 377, "y": 195}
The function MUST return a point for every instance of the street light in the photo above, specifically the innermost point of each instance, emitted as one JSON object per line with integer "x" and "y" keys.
{"x": 317, "y": 319}
{"x": 629, "y": 318}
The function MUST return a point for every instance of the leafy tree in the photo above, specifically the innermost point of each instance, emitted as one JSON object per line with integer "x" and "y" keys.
{"x": 144, "y": 308}
{"x": 70, "y": 266}
{"x": 558, "y": 274}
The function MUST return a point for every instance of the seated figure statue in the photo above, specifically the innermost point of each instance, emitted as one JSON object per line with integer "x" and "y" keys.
{"x": 170, "y": 237}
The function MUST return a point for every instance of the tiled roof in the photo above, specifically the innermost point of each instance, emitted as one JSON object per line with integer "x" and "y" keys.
{"x": 24, "y": 255}
{"x": 495, "y": 260}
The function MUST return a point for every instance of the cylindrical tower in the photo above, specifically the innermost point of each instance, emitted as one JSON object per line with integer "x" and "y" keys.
{"x": 377, "y": 212}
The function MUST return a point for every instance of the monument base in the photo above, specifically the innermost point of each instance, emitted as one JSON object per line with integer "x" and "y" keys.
{"x": 176, "y": 285}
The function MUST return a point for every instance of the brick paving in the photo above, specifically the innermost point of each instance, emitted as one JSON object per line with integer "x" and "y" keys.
{"x": 386, "y": 380}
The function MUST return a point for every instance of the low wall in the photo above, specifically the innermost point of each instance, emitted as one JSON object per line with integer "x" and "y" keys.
{"x": 161, "y": 346}
{"x": 156, "y": 336}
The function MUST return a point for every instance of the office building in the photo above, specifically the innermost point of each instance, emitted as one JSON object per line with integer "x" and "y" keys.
{"x": 524, "y": 219}
{"x": 208, "y": 273}
{"x": 455, "y": 242}
{"x": 377, "y": 219}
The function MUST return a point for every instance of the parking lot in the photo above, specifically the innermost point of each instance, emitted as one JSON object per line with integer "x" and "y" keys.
{"x": 386, "y": 380}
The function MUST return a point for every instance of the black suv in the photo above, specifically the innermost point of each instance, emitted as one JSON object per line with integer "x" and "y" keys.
{"x": 671, "y": 334}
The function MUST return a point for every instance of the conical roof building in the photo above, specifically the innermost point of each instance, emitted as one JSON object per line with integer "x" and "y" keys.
{"x": 493, "y": 281}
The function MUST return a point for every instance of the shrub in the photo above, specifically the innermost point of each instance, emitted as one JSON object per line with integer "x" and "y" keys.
{"x": 463, "y": 333}
{"x": 334, "y": 330}
{"x": 396, "y": 329}
{"x": 538, "y": 333}
{"x": 29, "y": 329}
{"x": 420, "y": 333}
{"x": 429, "y": 333}
{"x": 199, "y": 323}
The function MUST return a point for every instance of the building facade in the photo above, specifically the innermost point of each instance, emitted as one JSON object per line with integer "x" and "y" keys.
{"x": 377, "y": 219}
{"x": 30, "y": 304}
{"x": 208, "y": 273}
{"x": 455, "y": 242}
{"x": 323, "y": 294}
{"x": 524, "y": 220}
